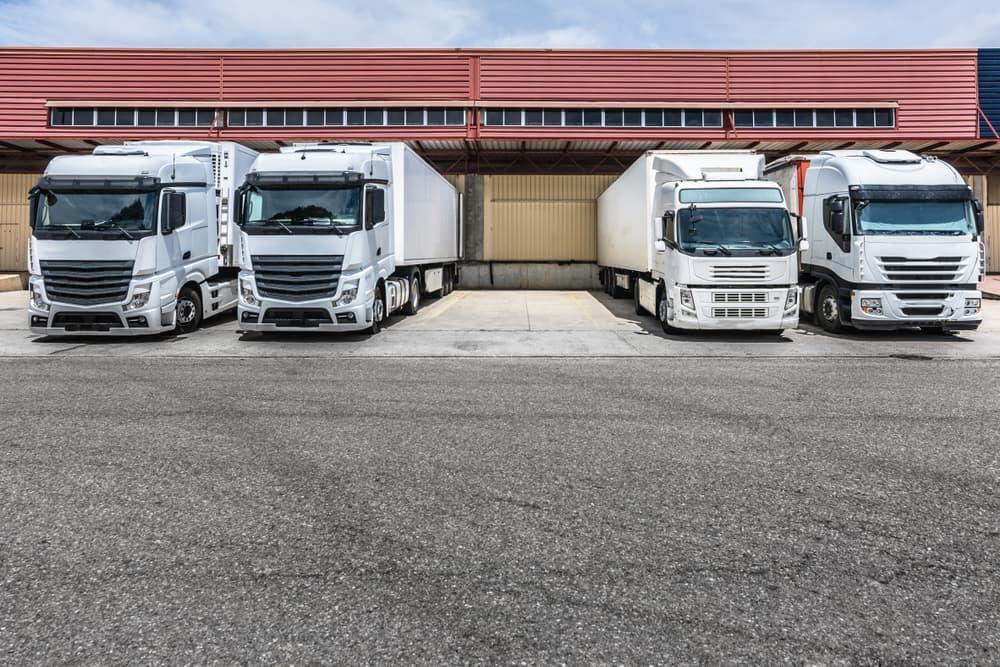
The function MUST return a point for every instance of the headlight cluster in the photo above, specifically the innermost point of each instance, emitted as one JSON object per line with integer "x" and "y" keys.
{"x": 973, "y": 306}
{"x": 872, "y": 306}
{"x": 139, "y": 299}
{"x": 687, "y": 299}
{"x": 792, "y": 299}
{"x": 348, "y": 293}
{"x": 37, "y": 300}
{"x": 246, "y": 293}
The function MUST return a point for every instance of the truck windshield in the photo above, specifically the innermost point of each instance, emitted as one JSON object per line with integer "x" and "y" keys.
{"x": 736, "y": 227}
{"x": 96, "y": 214}
{"x": 926, "y": 217}
{"x": 333, "y": 210}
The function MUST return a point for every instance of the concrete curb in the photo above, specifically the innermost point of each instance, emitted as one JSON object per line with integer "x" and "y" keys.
{"x": 12, "y": 282}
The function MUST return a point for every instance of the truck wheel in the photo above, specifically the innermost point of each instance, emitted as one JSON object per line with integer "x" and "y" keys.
{"x": 188, "y": 317}
{"x": 616, "y": 291}
{"x": 378, "y": 312}
{"x": 662, "y": 312}
{"x": 828, "y": 309}
{"x": 413, "y": 304}
{"x": 639, "y": 310}
{"x": 605, "y": 281}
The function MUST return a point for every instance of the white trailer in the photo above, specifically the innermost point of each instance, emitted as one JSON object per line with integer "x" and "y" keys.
{"x": 700, "y": 241}
{"x": 335, "y": 237}
{"x": 896, "y": 239}
{"x": 134, "y": 239}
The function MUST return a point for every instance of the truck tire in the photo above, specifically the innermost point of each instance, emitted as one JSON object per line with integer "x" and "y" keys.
{"x": 828, "y": 309}
{"x": 378, "y": 312}
{"x": 413, "y": 303}
{"x": 188, "y": 311}
{"x": 449, "y": 281}
{"x": 661, "y": 312}
{"x": 616, "y": 291}
{"x": 639, "y": 310}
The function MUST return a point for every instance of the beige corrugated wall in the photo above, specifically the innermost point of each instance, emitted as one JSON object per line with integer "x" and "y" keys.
{"x": 542, "y": 218}
{"x": 14, "y": 227}
{"x": 993, "y": 224}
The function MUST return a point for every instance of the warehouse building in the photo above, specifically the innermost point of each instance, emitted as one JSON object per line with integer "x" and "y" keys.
{"x": 531, "y": 137}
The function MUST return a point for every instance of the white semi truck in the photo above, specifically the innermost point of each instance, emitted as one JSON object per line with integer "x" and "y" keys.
{"x": 700, "y": 242}
{"x": 896, "y": 239}
{"x": 134, "y": 239}
{"x": 335, "y": 237}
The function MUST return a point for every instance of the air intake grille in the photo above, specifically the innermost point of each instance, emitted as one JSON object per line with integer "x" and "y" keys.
{"x": 936, "y": 269}
{"x": 297, "y": 277}
{"x": 739, "y": 312}
{"x": 85, "y": 282}
{"x": 739, "y": 297}
{"x": 730, "y": 273}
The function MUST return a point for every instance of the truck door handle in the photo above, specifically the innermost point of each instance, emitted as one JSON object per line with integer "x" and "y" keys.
{"x": 829, "y": 255}
{"x": 378, "y": 253}
{"x": 186, "y": 255}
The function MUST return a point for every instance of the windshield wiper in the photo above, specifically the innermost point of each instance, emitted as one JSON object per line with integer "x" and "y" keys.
{"x": 309, "y": 221}
{"x": 107, "y": 223}
{"x": 277, "y": 221}
{"x": 721, "y": 248}
{"x": 773, "y": 249}
{"x": 68, "y": 228}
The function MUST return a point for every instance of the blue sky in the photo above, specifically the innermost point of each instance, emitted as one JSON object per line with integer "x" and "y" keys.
{"x": 672, "y": 24}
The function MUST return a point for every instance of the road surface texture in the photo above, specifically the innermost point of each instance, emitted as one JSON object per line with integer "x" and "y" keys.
{"x": 288, "y": 507}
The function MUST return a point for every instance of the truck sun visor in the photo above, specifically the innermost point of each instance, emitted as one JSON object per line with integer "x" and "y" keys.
{"x": 951, "y": 192}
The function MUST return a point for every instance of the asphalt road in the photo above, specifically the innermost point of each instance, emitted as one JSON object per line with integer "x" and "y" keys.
{"x": 630, "y": 510}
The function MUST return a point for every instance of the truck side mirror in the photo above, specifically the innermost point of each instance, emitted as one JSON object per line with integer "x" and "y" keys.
{"x": 977, "y": 210}
{"x": 174, "y": 211}
{"x": 837, "y": 216}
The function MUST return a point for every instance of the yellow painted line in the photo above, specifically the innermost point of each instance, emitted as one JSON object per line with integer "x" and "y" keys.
{"x": 586, "y": 313}
{"x": 444, "y": 307}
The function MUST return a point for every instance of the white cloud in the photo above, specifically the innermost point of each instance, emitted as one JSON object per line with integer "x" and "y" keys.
{"x": 574, "y": 37}
{"x": 249, "y": 23}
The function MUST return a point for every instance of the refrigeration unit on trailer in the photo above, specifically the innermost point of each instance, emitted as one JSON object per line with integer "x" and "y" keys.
{"x": 134, "y": 239}
{"x": 335, "y": 237}
{"x": 896, "y": 239}
{"x": 700, "y": 241}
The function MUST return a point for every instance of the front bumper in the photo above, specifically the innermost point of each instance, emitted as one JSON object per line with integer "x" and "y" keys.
{"x": 322, "y": 315}
{"x": 902, "y": 308}
{"x": 750, "y": 308}
{"x": 109, "y": 319}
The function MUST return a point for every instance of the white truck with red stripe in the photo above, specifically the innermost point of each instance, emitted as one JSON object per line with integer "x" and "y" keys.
{"x": 896, "y": 240}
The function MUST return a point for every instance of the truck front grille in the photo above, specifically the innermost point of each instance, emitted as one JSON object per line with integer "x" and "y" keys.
{"x": 922, "y": 310}
{"x": 739, "y": 312}
{"x": 739, "y": 297}
{"x": 86, "y": 282}
{"x": 297, "y": 277}
{"x": 86, "y": 321}
{"x": 745, "y": 273}
{"x": 935, "y": 269}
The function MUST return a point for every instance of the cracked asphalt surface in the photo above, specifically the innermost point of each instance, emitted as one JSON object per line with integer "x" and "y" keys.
{"x": 646, "y": 510}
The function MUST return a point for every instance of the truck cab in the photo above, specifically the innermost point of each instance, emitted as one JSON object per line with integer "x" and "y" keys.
{"x": 323, "y": 228}
{"x": 896, "y": 242}
{"x": 133, "y": 239}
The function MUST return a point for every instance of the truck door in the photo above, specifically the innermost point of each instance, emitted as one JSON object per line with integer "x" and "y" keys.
{"x": 378, "y": 228}
{"x": 175, "y": 231}
{"x": 835, "y": 243}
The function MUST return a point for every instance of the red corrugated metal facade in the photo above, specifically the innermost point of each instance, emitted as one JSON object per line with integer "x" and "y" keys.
{"x": 934, "y": 91}
{"x": 931, "y": 93}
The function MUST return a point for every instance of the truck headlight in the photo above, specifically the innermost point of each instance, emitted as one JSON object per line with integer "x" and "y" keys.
{"x": 246, "y": 293}
{"x": 792, "y": 299}
{"x": 872, "y": 306}
{"x": 687, "y": 299}
{"x": 37, "y": 300}
{"x": 973, "y": 303}
{"x": 139, "y": 299}
{"x": 348, "y": 293}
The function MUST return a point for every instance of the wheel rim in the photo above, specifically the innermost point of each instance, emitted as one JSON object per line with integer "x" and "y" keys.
{"x": 830, "y": 309}
{"x": 185, "y": 311}
{"x": 661, "y": 310}
{"x": 379, "y": 309}
{"x": 415, "y": 293}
